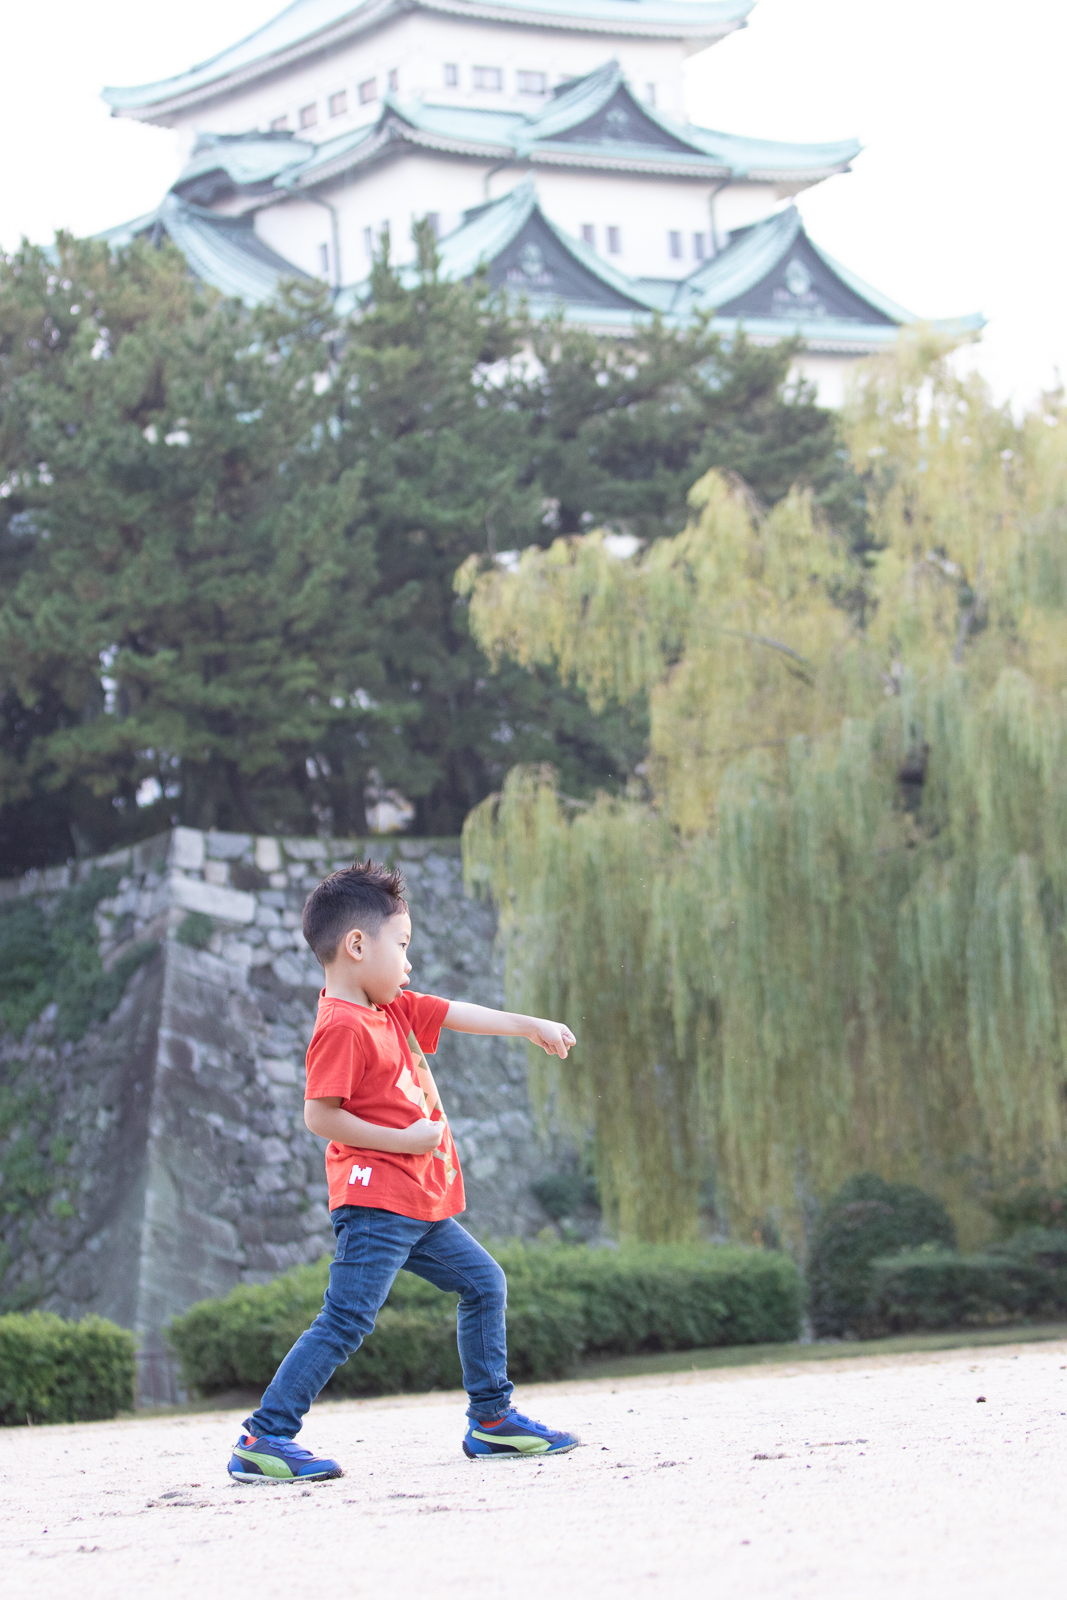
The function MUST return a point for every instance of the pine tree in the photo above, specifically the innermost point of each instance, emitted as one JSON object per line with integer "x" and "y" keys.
{"x": 228, "y": 539}
{"x": 187, "y": 596}
{"x": 622, "y": 428}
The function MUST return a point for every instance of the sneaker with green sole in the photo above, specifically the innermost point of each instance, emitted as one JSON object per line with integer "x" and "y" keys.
{"x": 515, "y": 1435}
{"x": 268, "y": 1459}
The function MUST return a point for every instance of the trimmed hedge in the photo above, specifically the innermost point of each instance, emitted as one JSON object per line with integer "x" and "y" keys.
{"x": 932, "y": 1289}
{"x": 867, "y": 1218}
{"x": 562, "y": 1302}
{"x": 56, "y": 1371}
{"x": 665, "y": 1297}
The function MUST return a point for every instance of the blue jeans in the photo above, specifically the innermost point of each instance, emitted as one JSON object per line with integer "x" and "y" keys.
{"x": 372, "y": 1246}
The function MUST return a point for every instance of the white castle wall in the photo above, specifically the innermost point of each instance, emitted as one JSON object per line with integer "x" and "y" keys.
{"x": 417, "y": 48}
{"x": 399, "y": 191}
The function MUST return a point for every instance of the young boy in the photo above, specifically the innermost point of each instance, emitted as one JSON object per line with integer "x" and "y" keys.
{"x": 394, "y": 1179}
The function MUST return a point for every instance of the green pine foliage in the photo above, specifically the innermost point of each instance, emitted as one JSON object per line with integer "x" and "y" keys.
{"x": 621, "y": 430}
{"x": 561, "y": 1302}
{"x": 227, "y": 539}
{"x": 56, "y": 1371}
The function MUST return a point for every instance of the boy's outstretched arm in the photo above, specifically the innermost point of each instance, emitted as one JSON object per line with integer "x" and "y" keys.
{"x": 555, "y": 1038}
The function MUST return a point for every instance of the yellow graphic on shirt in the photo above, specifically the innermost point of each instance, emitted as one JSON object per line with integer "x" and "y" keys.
{"x": 424, "y": 1094}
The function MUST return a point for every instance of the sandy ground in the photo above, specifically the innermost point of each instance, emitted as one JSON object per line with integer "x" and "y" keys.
{"x": 857, "y": 1479}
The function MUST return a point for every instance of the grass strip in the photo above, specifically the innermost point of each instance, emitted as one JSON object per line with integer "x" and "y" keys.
{"x": 765, "y": 1355}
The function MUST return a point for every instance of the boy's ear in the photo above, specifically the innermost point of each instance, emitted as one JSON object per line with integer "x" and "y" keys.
{"x": 352, "y": 944}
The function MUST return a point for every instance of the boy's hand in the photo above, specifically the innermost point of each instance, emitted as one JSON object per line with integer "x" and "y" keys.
{"x": 421, "y": 1137}
{"x": 553, "y": 1037}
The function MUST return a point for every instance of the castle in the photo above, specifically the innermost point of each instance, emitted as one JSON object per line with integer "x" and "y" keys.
{"x": 546, "y": 140}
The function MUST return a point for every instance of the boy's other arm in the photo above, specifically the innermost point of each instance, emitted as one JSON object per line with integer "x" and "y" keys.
{"x": 326, "y": 1119}
{"x": 555, "y": 1038}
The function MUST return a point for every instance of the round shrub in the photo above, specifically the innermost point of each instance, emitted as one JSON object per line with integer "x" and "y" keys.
{"x": 866, "y": 1218}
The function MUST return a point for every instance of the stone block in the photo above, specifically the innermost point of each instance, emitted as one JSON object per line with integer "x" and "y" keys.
{"x": 305, "y": 849}
{"x": 279, "y": 1071}
{"x": 237, "y": 953}
{"x": 227, "y": 846}
{"x": 297, "y": 974}
{"x": 187, "y": 849}
{"x": 273, "y": 1152}
{"x": 268, "y": 1180}
{"x": 218, "y": 1236}
{"x": 216, "y": 872}
{"x": 268, "y": 855}
{"x": 228, "y": 905}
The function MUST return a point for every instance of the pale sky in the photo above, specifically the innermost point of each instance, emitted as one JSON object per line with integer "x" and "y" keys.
{"x": 954, "y": 206}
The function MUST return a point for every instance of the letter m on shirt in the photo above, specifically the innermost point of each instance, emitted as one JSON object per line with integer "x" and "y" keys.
{"x": 360, "y": 1175}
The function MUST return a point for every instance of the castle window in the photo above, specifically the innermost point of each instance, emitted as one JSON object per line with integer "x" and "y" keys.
{"x": 338, "y": 103}
{"x": 650, "y": 94}
{"x": 368, "y": 241}
{"x": 394, "y": 81}
{"x": 279, "y": 125}
{"x": 589, "y": 235}
{"x": 309, "y": 115}
{"x": 532, "y": 82}
{"x": 488, "y": 78}
{"x": 615, "y": 241}
{"x": 451, "y": 77}
{"x": 699, "y": 246}
{"x": 324, "y": 260}
{"x": 434, "y": 219}
{"x": 674, "y": 245}
{"x": 368, "y": 91}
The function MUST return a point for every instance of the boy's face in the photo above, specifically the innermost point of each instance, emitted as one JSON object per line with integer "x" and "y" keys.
{"x": 380, "y": 960}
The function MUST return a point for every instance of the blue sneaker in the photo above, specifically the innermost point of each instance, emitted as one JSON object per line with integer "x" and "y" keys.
{"x": 269, "y": 1459}
{"x": 515, "y": 1435}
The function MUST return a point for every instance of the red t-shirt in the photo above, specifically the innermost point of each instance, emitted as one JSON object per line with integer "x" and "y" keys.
{"x": 373, "y": 1060}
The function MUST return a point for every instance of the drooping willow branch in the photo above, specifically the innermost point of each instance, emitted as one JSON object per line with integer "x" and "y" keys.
{"x": 810, "y": 953}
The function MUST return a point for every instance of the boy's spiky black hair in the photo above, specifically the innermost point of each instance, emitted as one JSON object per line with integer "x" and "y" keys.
{"x": 363, "y": 895}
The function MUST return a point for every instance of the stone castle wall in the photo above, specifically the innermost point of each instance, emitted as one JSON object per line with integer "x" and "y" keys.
{"x": 189, "y": 1166}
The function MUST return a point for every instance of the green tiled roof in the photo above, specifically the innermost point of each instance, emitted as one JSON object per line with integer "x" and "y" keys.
{"x": 487, "y": 234}
{"x": 247, "y": 159}
{"x": 754, "y": 252}
{"x": 595, "y": 122}
{"x": 602, "y": 109}
{"x": 224, "y": 252}
{"x": 772, "y": 280}
{"x": 317, "y": 24}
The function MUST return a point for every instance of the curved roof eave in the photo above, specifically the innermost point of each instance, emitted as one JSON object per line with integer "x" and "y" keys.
{"x": 307, "y": 27}
{"x": 225, "y": 252}
{"x": 400, "y": 124}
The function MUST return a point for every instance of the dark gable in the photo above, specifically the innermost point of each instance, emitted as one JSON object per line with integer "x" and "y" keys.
{"x": 536, "y": 264}
{"x": 802, "y": 285}
{"x": 621, "y": 121}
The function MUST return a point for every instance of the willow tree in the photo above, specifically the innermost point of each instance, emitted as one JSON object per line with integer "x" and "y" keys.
{"x": 830, "y": 934}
